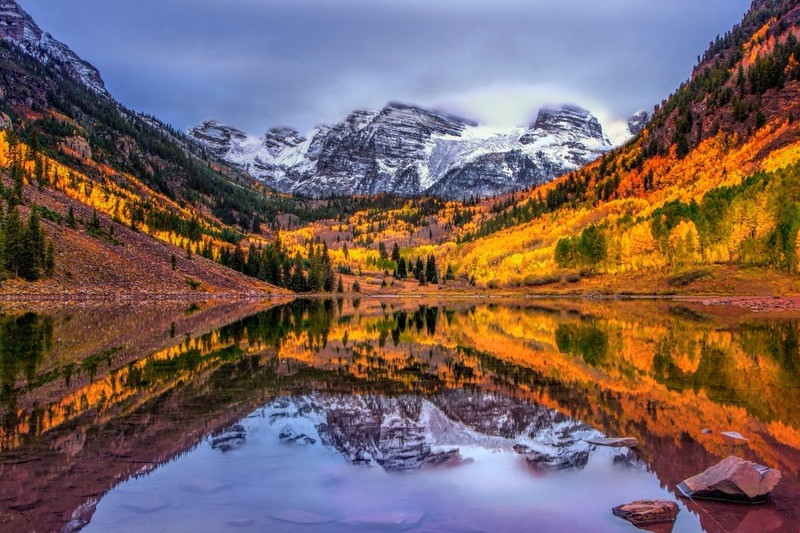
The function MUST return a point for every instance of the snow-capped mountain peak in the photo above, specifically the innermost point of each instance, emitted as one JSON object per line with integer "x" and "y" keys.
{"x": 408, "y": 150}
{"x": 19, "y": 28}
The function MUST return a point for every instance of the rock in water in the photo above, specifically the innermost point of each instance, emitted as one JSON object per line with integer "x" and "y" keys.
{"x": 624, "y": 442}
{"x": 732, "y": 479}
{"x": 647, "y": 512}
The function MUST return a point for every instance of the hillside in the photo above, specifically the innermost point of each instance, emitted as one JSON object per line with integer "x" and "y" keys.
{"x": 711, "y": 181}
{"x": 139, "y": 193}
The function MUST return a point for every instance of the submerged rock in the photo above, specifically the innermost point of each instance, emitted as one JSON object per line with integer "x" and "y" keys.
{"x": 543, "y": 461}
{"x": 732, "y": 479}
{"x": 622, "y": 442}
{"x": 648, "y": 512}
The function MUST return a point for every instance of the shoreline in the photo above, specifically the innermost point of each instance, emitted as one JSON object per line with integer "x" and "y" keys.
{"x": 758, "y": 303}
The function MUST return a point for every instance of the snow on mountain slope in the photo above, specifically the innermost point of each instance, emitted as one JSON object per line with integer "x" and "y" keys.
{"x": 409, "y": 432}
{"x": 408, "y": 150}
{"x": 17, "y": 27}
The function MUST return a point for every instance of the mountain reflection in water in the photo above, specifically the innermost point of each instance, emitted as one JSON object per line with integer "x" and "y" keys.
{"x": 410, "y": 414}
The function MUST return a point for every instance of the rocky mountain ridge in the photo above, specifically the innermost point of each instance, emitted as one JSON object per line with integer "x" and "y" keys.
{"x": 408, "y": 150}
{"x": 18, "y": 28}
{"x": 408, "y": 432}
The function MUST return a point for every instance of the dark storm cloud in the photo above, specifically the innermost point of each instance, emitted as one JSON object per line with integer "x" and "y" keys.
{"x": 258, "y": 63}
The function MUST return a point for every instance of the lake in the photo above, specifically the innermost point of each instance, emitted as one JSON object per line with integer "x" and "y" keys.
{"x": 394, "y": 414}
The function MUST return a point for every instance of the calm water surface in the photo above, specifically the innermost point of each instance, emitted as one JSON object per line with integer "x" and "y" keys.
{"x": 408, "y": 415}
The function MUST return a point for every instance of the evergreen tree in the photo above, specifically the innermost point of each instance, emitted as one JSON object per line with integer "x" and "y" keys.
{"x": 14, "y": 241}
{"x": 94, "y": 224}
{"x": 50, "y": 259}
{"x": 431, "y": 272}
{"x": 327, "y": 266}
{"x": 402, "y": 272}
{"x": 449, "y": 275}
{"x": 356, "y": 286}
{"x": 419, "y": 271}
{"x": 237, "y": 261}
{"x": 315, "y": 280}
{"x": 286, "y": 267}
{"x": 396, "y": 253}
{"x": 382, "y": 251}
{"x": 298, "y": 279}
{"x": 340, "y": 285}
{"x": 2, "y": 237}
{"x": 253, "y": 261}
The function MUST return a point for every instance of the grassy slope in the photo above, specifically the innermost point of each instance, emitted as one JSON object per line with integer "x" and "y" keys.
{"x": 132, "y": 264}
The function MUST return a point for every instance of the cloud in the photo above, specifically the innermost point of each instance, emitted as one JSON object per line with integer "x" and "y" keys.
{"x": 259, "y": 63}
{"x": 508, "y": 105}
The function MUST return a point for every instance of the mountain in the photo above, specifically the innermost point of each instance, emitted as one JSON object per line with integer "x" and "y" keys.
{"x": 127, "y": 201}
{"x": 409, "y": 432}
{"x": 18, "y": 27}
{"x": 411, "y": 151}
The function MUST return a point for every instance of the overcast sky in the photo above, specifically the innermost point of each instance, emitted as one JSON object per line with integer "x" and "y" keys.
{"x": 256, "y": 64}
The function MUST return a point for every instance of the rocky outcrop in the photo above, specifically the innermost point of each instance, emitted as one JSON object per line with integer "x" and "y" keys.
{"x": 408, "y": 150}
{"x": 17, "y": 27}
{"x": 732, "y": 479}
{"x": 638, "y": 122}
{"x": 77, "y": 146}
{"x": 217, "y": 138}
{"x": 647, "y": 512}
{"x": 5, "y": 122}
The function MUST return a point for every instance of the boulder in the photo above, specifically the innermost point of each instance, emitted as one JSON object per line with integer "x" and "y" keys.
{"x": 622, "y": 442}
{"x": 732, "y": 479}
{"x": 647, "y": 512}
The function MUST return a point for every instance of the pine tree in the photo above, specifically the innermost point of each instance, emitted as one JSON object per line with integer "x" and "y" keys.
{"x": 402, "y": 272}
{"x": 237, "y": 261}
{"x": 94, "y": 224}
{"x": 356, "y": 286}
{"x": 50, "y": 259}
{"x": 431, "y": 272}
{"x": 396, "y": 253}
{"x": 14, "y": 241}
{"x": 2, "y": 237}
{"x": 327, "y": 269}
{"x": 340, "y": 285}
{"x": 449, "y": 275}
{"x": 298, "y": 279}
{"x": 419, "y": 271}
{"x": 314, "y": 278}
{"x": 382, "y": 251}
